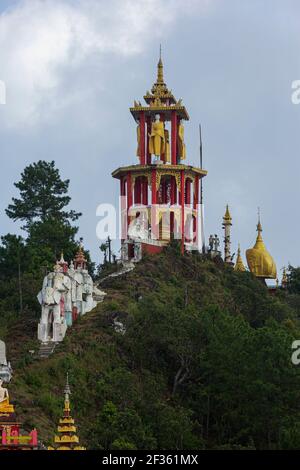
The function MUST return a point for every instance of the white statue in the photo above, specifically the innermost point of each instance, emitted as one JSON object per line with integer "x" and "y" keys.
{"x": 5, "y": 367}
{"x": 67, "y": 293}
{"x": 138, "y": 229}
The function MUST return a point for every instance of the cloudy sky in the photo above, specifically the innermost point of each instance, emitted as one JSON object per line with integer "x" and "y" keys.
{"x": 72, "y": 68}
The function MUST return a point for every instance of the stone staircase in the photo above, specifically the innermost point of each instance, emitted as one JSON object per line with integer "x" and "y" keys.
{"x": 126, "y": 268}
{"x": 46, "y": 349}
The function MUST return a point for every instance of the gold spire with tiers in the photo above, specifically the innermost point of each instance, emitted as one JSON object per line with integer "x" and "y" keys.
{"x": 160, "y": 99}
{"x": 259, "y": 260}
{"x": 67, "y": 438}
{"x": 284, "y": 281}
{"x": 227, "y": 219}
{"x": 239, "y": 265}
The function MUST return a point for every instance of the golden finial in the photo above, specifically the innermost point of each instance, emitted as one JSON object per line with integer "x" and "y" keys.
{"x": 67, "y": 392}
{"x": 239, "y": 265}
{"x": 227, "y": 217}
{"x": 259, "y": 227}
{"x": 160, "y": 69}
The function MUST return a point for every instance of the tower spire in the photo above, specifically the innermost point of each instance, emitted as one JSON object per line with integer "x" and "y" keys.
{"x": 160, "y": 69}
{"x": 67, "y": 438}
{"x": 227, "y": 223}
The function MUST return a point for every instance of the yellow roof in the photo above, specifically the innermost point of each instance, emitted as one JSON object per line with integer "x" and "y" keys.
{"x": 239, "y": 265}
{"x": 259, "y": 260}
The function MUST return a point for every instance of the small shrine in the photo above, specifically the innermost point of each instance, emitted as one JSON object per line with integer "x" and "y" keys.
{"x": 68, "y": 293}
{"x": 160, "y": 194}
{"x": 67, "y": 438}
{"x": 12, "y": 437}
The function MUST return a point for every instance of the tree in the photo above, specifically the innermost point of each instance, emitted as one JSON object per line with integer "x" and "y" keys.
{"x": 43, "y": 196}
{"x": 293, "y": 280}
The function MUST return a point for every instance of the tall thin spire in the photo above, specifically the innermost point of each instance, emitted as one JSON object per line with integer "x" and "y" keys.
{"x": 66, "y": 439}
{"x": 67, "y": 390}
{"x": 160, "y": 68}
{"x": 227, "y": 223}
{"x": 201, "y": 194}
{"x": 259, "y": 227}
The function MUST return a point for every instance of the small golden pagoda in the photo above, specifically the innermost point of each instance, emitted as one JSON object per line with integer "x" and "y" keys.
{"x": 239, "y": 265}
{"x": 67, "y": 438}
{"x": 259, "y": 260}
{"x": 284, "y": 280}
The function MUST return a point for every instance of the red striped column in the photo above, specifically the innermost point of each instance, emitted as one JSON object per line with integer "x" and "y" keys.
{"x": 129, "y": 196}
{"x": 142, "y": 137}
{"x": 174, "y": 138}
{"x": 154, "y": 225}
{"x": 182, "y": 209}
{"x": 148, "y": 128}
{"x": 196, "y": 207}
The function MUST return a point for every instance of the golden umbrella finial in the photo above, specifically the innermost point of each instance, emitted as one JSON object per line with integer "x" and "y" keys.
{"x": 160, "y": 68}
{"x": 259, "y": 227}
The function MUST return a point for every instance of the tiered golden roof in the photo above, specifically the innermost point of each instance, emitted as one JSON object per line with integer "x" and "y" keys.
{"x": 159, "y": 90}
{"x": 259, "y": 260}
{"x": 160, "y": 99}
{"x": 239, "y": 265}
{"x": 67, "y": 438}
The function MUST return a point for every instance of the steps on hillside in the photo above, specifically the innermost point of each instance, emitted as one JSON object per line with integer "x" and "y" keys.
{"x": 127, "y": 266}
{"x": 46, "y": 349}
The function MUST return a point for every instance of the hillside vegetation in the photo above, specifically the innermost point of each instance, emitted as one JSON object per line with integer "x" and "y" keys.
{"x": 205, "y": 362}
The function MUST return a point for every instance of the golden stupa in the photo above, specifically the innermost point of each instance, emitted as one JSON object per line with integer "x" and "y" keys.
{"x": 239, "y": 265}
{"x": 67, "y": 438}
{"x": 259, "y": 260}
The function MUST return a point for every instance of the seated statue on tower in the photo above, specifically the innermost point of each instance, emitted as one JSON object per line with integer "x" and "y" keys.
{"x": 157, "y": 138}
{"x": 5, "y": 406}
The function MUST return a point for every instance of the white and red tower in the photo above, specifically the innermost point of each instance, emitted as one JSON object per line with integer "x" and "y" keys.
{"x": 159, "y": 195}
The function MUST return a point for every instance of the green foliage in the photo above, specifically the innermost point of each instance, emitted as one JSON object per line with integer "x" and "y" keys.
{"x": 293, "y": 276}
{"x": 205, "y": 363}
{"x": 43, "y": 196}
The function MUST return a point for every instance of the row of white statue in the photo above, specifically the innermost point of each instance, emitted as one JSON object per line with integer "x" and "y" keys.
{"x": 68, "y": 293}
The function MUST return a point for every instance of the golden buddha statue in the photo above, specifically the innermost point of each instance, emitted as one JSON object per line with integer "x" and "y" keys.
{"x": 259, "y": 260}
{"x": 138, "y": 136}
{"x": 157, "y": 137}
{"x": 181, "y": 144}
{"x": 5, "y": 406}
{"x": 239, "y": 265}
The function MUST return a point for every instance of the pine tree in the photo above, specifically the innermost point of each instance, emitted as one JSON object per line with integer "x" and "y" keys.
{"x": 43, "y": 196}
